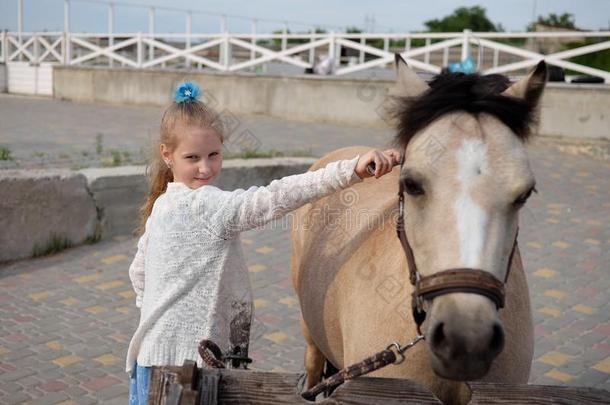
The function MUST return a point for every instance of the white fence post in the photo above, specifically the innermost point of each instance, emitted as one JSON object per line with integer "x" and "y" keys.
{"x": 337, "y": 57}
{"x": 386, "y": 45}
{"x": 189, "y": 30}
{"x": 427, "y": 54}
{"x": 140, "y": 50}
{"x": 4, "y": 45}
{"x": 312, "y": 55}
{"x": 110, "y": 30}
{"x": 466, "y": 44}
{"x": 20, "y": 25}
{"x": 36, "y": 45}
{"x": 66, "y": 47}
{"x": 361, "y": 54}
{"x": 253, "y": 42}
{"x": 222, "y": 55}
{"x": 227, "y": 51}
{"x": 331, "y": 49}
{"x": 284, "y": 36}
{"x": 151, "y": 32}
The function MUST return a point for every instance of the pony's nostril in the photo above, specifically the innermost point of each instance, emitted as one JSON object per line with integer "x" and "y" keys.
{"x": 496, "y": 343}
{"x": 438, "y": 335}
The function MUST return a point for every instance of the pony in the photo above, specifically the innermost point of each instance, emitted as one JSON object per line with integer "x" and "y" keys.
{"x": 465, "y": 177}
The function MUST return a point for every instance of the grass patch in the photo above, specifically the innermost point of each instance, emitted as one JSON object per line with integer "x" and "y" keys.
{"x": 79, "y": 166}
{"x": 97, "y": 235}
{"x": 56, "y": 243}
{"x": 116, "y": 157}
{"x": 255, "y": 154}
{"x": 99, "y": 143}
{"x": 5, "y": 154}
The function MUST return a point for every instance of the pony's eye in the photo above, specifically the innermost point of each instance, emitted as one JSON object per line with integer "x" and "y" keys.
{"x": 522, "y": 199}
{"x": 412, "y": 187}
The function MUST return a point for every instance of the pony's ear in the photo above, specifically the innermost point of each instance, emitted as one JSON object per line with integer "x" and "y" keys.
{"x": 530, "y": 88}
{"x": 408, "y": 83}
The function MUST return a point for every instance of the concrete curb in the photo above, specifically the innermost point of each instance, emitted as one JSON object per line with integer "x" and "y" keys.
{"x": 43, "y": 211}
{"x": 46, "y": 210}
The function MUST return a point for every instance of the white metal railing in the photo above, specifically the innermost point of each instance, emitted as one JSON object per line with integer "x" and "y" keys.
{"x": 230, "y": 52}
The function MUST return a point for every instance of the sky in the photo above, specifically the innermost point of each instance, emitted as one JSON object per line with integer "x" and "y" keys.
{"x": 388, "y": 16}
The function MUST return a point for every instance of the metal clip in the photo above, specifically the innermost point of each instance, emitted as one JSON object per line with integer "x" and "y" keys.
{"x": 402, "y": 349}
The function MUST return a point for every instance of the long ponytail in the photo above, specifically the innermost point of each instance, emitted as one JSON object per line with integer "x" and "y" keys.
{"x": 158, "y": 175}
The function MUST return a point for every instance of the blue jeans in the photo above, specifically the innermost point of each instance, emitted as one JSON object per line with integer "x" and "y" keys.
{"x": 138, "y": 385}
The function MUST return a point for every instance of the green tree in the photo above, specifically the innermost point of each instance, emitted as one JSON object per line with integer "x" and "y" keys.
{"x": 353, "y": 30}
{"x": 473, "y": 18}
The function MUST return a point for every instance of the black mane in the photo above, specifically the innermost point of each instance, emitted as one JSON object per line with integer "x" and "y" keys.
{"x": 471, "y": 93}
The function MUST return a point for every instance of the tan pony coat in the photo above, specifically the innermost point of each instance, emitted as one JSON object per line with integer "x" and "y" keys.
{"x": 351, "y": 275}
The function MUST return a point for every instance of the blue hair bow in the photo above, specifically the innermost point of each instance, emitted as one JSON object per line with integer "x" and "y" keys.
{"x": 186, "y": 92}
{"x": 467, "y": 66}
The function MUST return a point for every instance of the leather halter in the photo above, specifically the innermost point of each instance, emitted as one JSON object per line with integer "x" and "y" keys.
{"x": 448, "y": 281}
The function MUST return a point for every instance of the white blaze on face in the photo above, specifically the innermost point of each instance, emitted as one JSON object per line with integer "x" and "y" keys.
{"x": 471, "y": 218}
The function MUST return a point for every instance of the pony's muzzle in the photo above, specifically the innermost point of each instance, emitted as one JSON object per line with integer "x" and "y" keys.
{"x": 464, "y": 339}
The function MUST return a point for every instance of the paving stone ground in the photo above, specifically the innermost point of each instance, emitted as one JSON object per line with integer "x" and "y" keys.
{"x": 66, "y": 319}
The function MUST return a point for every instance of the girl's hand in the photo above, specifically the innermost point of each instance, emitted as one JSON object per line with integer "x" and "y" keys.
{"x": 383, "y": 162}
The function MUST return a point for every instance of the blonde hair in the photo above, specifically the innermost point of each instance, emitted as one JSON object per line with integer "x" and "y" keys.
{"x": 192, "y": 113}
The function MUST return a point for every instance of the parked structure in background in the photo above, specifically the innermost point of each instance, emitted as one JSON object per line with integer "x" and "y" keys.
{"x": 546, "y": 45}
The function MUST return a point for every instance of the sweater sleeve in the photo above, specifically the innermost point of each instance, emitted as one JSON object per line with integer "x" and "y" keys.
{"x": 136, "y": 269}
{"x": 242, "y": 210}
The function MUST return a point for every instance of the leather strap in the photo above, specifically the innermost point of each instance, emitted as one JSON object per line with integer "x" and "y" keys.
{"x": 462, "y": 280}
{"x": 448, "y": 281}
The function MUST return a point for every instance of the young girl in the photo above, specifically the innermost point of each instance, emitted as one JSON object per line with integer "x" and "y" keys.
{"x": 189, "y": 272}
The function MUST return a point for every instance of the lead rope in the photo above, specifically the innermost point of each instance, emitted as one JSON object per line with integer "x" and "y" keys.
{"x": 370, "y": 364}
{"x": 212, "y": 356}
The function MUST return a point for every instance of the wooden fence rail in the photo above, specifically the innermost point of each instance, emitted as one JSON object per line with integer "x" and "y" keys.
{"x": 188, "y": 385}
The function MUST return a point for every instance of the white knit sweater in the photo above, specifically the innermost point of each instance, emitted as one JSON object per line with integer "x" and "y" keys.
{"x": 189, "y": 272}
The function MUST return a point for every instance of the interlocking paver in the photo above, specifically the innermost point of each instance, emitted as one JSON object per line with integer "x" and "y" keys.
{"x": 67, "y": 319}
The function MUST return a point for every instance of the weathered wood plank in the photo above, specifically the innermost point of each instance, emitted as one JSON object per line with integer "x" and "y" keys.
{"x": 241, "y": 386}
{"x": 229, "y": 386}
{"x": 493, "y": 393}
{"x": 375, "y": 390}
{"x": 208, "y": 389}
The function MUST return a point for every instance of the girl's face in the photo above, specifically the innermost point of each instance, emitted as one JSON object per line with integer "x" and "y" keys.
{"x": 197, "y": 158}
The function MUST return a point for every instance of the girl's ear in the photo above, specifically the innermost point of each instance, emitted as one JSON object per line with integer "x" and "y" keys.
{"x": 165, "y": 152}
